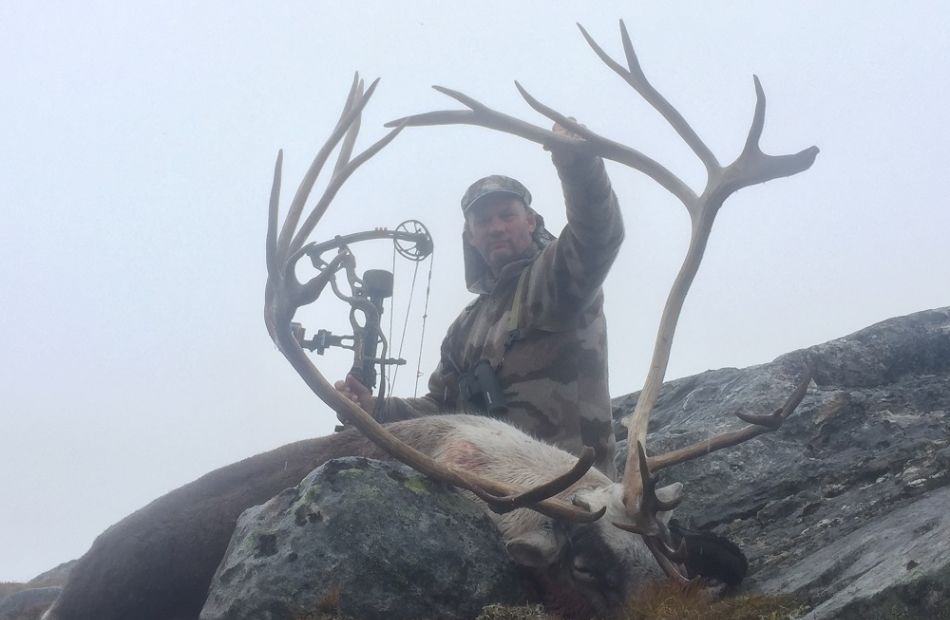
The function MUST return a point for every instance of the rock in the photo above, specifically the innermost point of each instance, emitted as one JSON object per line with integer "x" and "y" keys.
{"x": 28, "y": 604}
{"x": 895, "y": 566}
{"x": 367, "y": 540}
{"x": 863, "y": 461}
{"x": 54, "y": 577}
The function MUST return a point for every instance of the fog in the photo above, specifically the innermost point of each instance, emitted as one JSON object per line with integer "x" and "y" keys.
{"x": 139, "y": 140}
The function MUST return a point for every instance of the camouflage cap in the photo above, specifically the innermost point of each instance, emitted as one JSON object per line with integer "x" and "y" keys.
{"x": 494, "y": 184}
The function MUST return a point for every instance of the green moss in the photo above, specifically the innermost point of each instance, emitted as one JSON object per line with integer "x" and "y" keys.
{"x": 416, "y": 485}
{"x": 311, "y": 496}
{"x": 367, "y": 492}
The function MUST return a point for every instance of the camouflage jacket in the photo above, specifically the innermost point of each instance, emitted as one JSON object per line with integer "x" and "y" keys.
{"x": 554, "y": 372}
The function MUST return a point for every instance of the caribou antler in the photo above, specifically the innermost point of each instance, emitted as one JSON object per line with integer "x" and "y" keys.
{"x": 284, "y": 294}
{"x": 758, "y": 425}
{"x": 752, "y": 166}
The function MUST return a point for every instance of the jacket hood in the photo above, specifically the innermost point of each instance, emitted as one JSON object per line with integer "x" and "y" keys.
{"x": 478, "y": 275}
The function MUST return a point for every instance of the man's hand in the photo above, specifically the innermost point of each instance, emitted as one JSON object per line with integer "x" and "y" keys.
{"x": 564, "y": 155}
{"x": 357, "y": 392}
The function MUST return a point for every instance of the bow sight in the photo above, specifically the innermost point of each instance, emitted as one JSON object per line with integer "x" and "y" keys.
{"x": 412, "y": 241}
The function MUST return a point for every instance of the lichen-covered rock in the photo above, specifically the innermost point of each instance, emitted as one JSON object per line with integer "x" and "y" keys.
{"x": 366, "y": 540}
{"x": 867, "y": 450}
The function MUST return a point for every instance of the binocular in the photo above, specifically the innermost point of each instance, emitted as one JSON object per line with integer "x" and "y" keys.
{"x": 481, "y": 391}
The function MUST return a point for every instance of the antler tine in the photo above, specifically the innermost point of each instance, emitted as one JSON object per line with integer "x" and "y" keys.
{"x": 668, "y": 562}
{"x": 638, "y": 79}
{"x": 502, "y": 505}
{"x": 272, "y": 217}
{"x": 469, "y": 102}
{"x": 752, "y": 166}
{"x": 642, "y": 509}
{"x": 615, "y": 151}
{"x": 643, "y": 519}
{"x": 758, "y": 425}
{"x": 349, "y": 141}
{"x": 653, "y": 503}
{"x": 482, "y": 116}
{"x": 336, "y": 182}
{"x": 308, "y": 180}
{"x": 355, "y": 102}
{"x": 635, "y": 77}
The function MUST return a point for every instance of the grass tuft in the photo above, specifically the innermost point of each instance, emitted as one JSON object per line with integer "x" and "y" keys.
{"x": 666, "y": 600}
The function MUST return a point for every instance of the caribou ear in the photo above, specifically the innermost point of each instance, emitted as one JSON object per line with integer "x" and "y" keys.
{"x": 536, "y": 549}
{"x": 672, "y": 494}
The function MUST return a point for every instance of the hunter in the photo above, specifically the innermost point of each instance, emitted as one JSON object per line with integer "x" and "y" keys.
{"x": 532, "y": 347}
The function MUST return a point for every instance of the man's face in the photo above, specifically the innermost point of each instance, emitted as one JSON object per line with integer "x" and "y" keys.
{"x": 500, "y": 228}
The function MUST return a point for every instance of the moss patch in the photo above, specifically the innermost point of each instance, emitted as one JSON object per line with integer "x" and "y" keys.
{"x": 416, "y": 485}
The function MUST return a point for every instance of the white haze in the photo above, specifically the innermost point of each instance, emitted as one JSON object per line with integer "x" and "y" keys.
{"x": 139, "y": 138}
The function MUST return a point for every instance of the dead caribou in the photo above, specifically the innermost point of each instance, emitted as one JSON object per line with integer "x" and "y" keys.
{"x": 158, "y": 562}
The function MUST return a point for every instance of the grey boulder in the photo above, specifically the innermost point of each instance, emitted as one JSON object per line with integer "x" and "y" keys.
{"x": 363, "y": 539}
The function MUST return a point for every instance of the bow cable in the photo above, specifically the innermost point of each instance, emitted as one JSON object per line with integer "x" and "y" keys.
{"x": 425, "y": 316}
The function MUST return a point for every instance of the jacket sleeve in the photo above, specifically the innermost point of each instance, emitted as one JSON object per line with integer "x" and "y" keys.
{"x": 434, "y": 402}
{"x": 442, "y": 394}
{"x": 566, "y": 277}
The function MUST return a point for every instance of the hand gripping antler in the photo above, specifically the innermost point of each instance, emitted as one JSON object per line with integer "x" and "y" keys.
{"x": 284, "y": 294}
{"x": 752, "y": 166}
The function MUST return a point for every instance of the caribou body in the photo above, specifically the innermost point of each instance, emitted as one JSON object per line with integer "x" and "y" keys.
{"x": 157, "y": 563}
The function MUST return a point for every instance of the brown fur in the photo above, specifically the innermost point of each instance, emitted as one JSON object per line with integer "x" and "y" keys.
{"x": 157, "y": 563}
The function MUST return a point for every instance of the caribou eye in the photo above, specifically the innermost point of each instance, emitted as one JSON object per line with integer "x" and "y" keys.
{"x": 584, "y": 572}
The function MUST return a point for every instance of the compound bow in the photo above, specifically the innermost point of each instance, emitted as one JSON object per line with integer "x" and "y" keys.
{"x": 412, "y": 241}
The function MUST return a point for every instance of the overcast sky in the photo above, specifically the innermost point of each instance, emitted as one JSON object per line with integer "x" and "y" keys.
{"x": 138, "y": 141}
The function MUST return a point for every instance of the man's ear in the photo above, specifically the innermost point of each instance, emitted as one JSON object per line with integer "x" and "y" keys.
{"x": 532, "y": 218}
